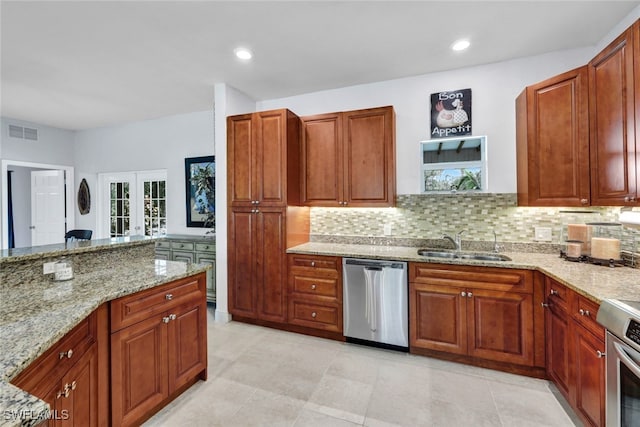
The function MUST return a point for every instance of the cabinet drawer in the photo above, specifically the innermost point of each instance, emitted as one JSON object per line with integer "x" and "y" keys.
{"x": 307, "y": 313}
{"x": 557, "y": 295}
{"x": 491, "y": 278}
{"x": 187, "y": 257}
{"x": 318, "y": 264}
{"x": 56, "y": 361}
{"x": 163, "y": 245}
{"x": 585, "y": 311}
{"x": 131, "y": 309}
{"x": 205, "y": 247}
{"x": 322, "y": 286}
{"x": 184, "y": 246}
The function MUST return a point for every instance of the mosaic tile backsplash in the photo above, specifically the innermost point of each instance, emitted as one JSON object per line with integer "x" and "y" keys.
{"x": 428, "y": 217}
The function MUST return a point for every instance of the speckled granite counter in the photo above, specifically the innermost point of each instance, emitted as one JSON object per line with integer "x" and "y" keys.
{"x": 593, "y": 281}
{"x": 35, "y": 314}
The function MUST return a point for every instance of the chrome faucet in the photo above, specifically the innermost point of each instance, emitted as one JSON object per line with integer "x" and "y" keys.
{"x": 456, "y": 240}
{"x": 496, "y": 246}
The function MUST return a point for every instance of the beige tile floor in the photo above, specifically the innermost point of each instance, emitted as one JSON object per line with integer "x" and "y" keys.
{"x": 264, "y": 377}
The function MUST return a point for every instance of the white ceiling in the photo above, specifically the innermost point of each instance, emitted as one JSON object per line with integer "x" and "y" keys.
{"x": 79, "y": 65}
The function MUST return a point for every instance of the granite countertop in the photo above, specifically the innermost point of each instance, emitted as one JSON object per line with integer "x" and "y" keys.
{"x": 35, "y": 315}
{"x": 592, "y": 281}
{"x": 67, "y": 248}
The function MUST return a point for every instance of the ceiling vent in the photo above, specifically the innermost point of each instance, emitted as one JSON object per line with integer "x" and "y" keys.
{"x": 23, "y": 132}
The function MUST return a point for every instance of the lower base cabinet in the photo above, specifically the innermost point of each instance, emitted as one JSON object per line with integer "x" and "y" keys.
{"x": 72, "y": 376}
{"x": 575, "y": 351}
{"x": 158, "y": 347}
{"x": 481, "y": 313}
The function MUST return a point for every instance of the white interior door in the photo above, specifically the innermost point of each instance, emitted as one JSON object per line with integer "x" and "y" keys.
{"x": 48, "y": 214}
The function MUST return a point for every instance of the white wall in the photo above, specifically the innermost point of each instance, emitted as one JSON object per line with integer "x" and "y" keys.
{"x": 53, "y": 147}
{"x": 228, "y": 102}
{"x": 494, "y": 88}
{"x": 147, "y": 145}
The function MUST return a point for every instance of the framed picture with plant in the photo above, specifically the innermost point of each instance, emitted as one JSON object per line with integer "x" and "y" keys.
{"x": 200, "y": 180}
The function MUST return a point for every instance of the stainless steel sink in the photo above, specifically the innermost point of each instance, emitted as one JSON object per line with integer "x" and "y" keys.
{"x": 434, "y": 253}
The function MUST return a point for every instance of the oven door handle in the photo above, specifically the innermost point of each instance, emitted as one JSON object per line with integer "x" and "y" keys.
{"x": 624, "y": 358}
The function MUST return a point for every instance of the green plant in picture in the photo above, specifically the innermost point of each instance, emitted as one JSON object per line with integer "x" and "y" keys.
{"x": 468, "y": 181}
{"x": 203, "y": 180}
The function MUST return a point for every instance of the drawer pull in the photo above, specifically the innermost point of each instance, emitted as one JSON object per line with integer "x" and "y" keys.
{"x": 313, "y": 263}
{"x": 314, "y": 314}
{"x": 66, "y": 354}
{"x": 463, "y": 294}
{"x": 172, "y": 317}
{"x": 313, "y": 287}
{"x": 168, "y": 297}
{"x": 165, "y": 319}
{"x": 58, "y": 395}
{"x": 553, "y": 292}
{"x": 470, "y": 294}
{"x": 544, "y": 304}
{"x": 600, "y": 354}
{"x": 584, "y": 312}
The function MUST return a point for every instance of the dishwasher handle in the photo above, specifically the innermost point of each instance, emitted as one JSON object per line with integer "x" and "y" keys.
{"x": 375, "y": 264}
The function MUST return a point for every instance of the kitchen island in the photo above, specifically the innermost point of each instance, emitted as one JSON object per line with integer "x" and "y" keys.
{"x": 36, "y": 311}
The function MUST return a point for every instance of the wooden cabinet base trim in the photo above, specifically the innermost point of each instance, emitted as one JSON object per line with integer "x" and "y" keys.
{"x": 336, "y": 336}
{"x": 529, "y": 371}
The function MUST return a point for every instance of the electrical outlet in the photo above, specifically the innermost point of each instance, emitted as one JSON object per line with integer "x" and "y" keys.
{"x": 48, "y": 268}
{"x": 387, "y": 229}
{"x": 542, "y": 234}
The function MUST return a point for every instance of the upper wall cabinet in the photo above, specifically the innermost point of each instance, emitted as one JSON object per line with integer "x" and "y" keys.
{"x": 348, "y": 158}
{"x": 613, "y": 106}
{"x": 552, "y": 141}
{"x": 263, "y": 158}
{"x": 577, "y": 139}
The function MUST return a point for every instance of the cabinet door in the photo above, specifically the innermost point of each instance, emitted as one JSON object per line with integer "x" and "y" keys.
{"x": 271, "y": 157}
{"x": 500, "y": 326}
{"x": 612, "y": 124}
{"x": 322, "y": 165}
{"x": 589, "y": 377}
{"x": 438, "y": 318}
{"x": 138, "y": 370}
{"x": 557, "y": 347}
{"x": 240, "y": 163}
{"x": 187, "y": 344}
{"x": 241, "y": 262}
{"x": 552, "y": 137}
{"x": 187, "y": 257}
{"x": 369, "y": 157}
{"x": 80, "y": 400}
{"x": 209, "y": 258}
{"x": 271, "y": 270}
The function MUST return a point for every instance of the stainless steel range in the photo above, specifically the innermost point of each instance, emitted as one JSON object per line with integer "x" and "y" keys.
{"x": 622, "y": 320}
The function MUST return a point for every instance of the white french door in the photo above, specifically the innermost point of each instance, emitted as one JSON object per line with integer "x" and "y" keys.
{"x": 133, "y": 203}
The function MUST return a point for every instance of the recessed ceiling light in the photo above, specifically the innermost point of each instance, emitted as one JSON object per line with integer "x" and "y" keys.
{"x": 243, "y": 53}
{"x": 460, "y": 45}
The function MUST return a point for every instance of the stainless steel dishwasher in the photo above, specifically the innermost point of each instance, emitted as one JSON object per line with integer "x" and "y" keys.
{"x": 375, "y": 302}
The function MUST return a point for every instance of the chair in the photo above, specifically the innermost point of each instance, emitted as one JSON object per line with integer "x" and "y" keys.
{"x": 78, "y": 235}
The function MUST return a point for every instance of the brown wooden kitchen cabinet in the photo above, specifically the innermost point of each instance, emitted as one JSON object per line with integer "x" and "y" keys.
{"x": 575, "y": 351}
{"x": 482, "y": 313}
{"x": 552, "y": 141}
{"x": 257, "y": 265}
{"x": 72, "y": 376}
{"x": 315, "y": 293}
{"x": 264, "y": 217}
{"x": 615, "y": 156}
{"x": 263, "y": 159}
{"x": 158, "y": 347}
{"x": 348, "y": 158}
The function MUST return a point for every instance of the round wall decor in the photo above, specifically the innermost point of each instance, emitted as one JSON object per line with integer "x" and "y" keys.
{"x": 84, "y": 198}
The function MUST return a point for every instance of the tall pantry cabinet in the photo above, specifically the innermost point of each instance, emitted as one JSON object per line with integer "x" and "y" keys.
{"x": 264, "y": 214}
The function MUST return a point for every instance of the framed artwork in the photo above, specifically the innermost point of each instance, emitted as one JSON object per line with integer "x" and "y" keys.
{"x": 451, "y": 113}
{"x": 200, "y": 180}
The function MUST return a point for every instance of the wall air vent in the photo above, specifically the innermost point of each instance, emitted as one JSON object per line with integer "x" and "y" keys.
{"x": 23, "y": 132}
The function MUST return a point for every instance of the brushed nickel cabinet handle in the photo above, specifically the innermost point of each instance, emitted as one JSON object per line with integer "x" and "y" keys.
{"x": 68, "y": 354}
{"x": 314, "y": 314}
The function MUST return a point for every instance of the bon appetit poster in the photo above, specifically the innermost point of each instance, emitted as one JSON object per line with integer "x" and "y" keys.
{"x": 451, "y": 113}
